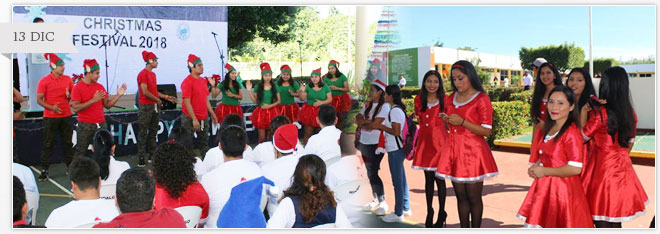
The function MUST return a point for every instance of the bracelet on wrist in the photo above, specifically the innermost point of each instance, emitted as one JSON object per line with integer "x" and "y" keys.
{"x": 463, "y": 122}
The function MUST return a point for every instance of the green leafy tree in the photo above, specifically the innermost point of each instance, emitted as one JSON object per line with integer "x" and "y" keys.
{"x": 564, "y": 57}
{"x": 269, "y": 22}
{"x": 648, "y": 60}
{"x": 467, "y": 48}
{"x": 601, "y": 64}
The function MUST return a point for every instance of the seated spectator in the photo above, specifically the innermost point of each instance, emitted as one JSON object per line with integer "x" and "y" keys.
{"x": 30, "y": 186}
{"x": 20, "y": 208}
{"x": 184, "y": 137}
{"x": 219, "y": 181}
{"x": 308, "y": 202}
{"x": 324, "y": 143}
{"x": 214, "y": 156}
{"x": 135, "y": 197}
{"x": 264, "y": 152}
{"x": 280, "y": 171}
{"x": 103, "y": 149}
{"x": 87, "y": 206}
{"x": 176, "y": 183}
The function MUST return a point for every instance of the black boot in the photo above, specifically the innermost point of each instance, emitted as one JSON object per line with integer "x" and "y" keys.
{"x": 429, "y": 218}
{"x": 442, "y": 220}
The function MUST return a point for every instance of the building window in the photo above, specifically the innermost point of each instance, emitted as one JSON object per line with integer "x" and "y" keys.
{"x": 504, "y": 74}
{"x": 515, "y": 73}
{"x": 645, "y": 75}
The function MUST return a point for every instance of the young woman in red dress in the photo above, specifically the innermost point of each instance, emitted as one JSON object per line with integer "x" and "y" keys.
{"x": 615, "y": 194}
{"x": 548, "y": 78}
{"x": 466, "y": 158}
{"x": 579, "y": 81}
{"x": 556, "y": 198}
{"x": 432, "y": 136}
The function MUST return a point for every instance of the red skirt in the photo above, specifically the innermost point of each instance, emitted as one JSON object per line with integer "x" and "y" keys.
{"x": 261, "y": 118}
{"x": 290, "y": 111}
{"x": 308, "y": 115}
{"x": 342, "y": 103}
{"x": 222, "y": 110}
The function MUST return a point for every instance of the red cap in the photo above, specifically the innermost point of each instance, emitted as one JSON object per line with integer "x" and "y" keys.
{"x": 380, "y": 84}
{"x": 193, "y": 60}
{"x": 285, "y": 138}
{"x": 333, "y": 63}
{"x": 90, "y": 65}
{"x": 147, "y": 56}
{"x": 229, "y": 68}
{"x": 54, "y": 60}
{"x": 265, "y": 68}
{"x": 285, "y": 68}
{"x": 376, "y": 63}
{"x": 317, "y": 72}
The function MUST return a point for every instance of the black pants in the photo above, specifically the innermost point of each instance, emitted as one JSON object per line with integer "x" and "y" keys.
{"x": 53, "y": 127}
{"x": 148, "y": 119}
{"x": 372, "y": 163}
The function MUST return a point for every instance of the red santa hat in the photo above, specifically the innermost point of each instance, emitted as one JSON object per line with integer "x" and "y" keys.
{"x": 90, "y": 65}
{"x": 265, "y": 68}
{"x": 380, "y": 84}
{"x": 376, "y": 63}
{"x": 229, "y": 68}
{"x": 193, "y": 60}
{"x": 285, "y": 138}
{"x": 317, "y": 72}
{"x": 381, "y": 144}
{"x": 333, "y": 63}
{"x": 54, "y": 60}
{"x": 285, "y": 68}
{"x": 149, "y": 57}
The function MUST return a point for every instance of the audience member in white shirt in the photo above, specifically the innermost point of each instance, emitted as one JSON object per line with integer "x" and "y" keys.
{"x": 265, "y": 152}
{"x": 235, "y": 170}
{"x": 308, "y": 202}
{"x": 324, "y": 144}
{"x": 87, "y": 206}
{"x": 214, "y": 157}
{"x": 280, "y": 171}
{"x": 24, "y": 174}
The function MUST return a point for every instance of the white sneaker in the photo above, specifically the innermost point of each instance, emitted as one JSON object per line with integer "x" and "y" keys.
{"x": 382, "y": 208}
{"x": 371, "y": 205}
{"x": 392, "y": 218}
{"x": 407, "y": 213}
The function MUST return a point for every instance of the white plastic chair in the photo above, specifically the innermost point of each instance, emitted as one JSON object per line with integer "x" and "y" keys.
{"x": 88, "y": 225}
{"x": 327, "y": 225}
{"x": 191, "y": 215}
{"x": 331, "y": 161}
{"x": 347, "y": 190}
{"x": 33, "y": 206}
{"x": 108, "y": 191}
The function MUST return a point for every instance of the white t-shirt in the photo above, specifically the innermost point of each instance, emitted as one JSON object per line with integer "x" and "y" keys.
{"x": 219, "y": 182}
{"x": 397, "y": 116}
{"x": 402, "y": 82}
{"x": 370, "y": 137}
{"x": 324, "y": 144}
{"x": 115, "y": 168}
{"x": 27, "y": 178}
{"x": 280, "y": 171}
{"x": 199, "y": 167}
{"x": 262, "y": 154}
{"x": 285, "y": 216}
{"x": 79, "y": 212}
{"x": 214, "y": 157}
{"x": 527, "y": 80}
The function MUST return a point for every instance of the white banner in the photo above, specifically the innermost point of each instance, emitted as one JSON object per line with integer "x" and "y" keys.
{"x": 126, "y": 38}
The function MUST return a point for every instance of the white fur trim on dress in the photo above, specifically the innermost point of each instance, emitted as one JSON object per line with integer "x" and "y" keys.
{"x": 575, "y": 164}
{"x": 620, "y": 219}
{"x": 424, "y": 168}
{"x": 487, "y": 126}
{"x": 525, "y": 224}
{"x": 466, "y": 102}
{"x": 467, "y": 179}
{"x": 586, "y": 138}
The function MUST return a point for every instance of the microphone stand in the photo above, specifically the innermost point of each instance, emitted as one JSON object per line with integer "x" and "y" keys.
{"x": 105, "y": 48}
{"x": 222, "y": 56}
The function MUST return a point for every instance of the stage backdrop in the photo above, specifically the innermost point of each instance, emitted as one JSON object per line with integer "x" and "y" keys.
{"x": 170, "y": 32}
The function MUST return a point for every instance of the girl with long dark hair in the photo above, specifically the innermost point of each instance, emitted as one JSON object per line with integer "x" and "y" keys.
{"x": 615, "y": 194}
{"x": 308, "y": 202}
{"x": 103, "y": 150}
{"x": 432, "y": 137}
{"x": 288, "y": 89}
{"x": 556, "y": 198}
{"x": 548, "y": 78}
{"x": 579, "y": 80}
{"x": 267, "y": 97}
{"x": 231, "y": 95}
{"x": 469, "y": 160}
{"x": 393, "y": 128}
{"x": 338, "y": 84}
{"x": 316, "y": 94}
{"x": 369, "y": 118}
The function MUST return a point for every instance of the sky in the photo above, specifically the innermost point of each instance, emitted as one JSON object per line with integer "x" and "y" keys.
{"x": 620, "y": 32}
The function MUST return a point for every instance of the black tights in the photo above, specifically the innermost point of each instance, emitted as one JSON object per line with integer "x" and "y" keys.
{"x": 429, "y": 178}
{"x": 605, "y": 224}
{"x": 469, "y": 202}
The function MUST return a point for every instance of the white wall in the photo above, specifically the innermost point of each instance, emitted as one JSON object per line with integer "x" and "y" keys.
{"x": 423, "y": 63}
{"x": 642, "y": 91}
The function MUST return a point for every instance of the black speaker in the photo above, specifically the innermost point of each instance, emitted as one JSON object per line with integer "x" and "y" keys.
{"x": 168, "y": 89}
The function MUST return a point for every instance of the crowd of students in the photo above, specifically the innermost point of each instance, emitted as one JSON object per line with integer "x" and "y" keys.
{"x": 579, "y": 155}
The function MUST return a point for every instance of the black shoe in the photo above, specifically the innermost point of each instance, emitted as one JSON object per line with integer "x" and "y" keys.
{"x": 141, "y": 162}
{"x": 442, "y": 218}
{"x": 44, "y": 175}
{"x": 429, "y": 218}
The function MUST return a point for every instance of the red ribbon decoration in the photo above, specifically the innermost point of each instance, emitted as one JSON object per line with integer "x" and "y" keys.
{"x": 76, "y": 77}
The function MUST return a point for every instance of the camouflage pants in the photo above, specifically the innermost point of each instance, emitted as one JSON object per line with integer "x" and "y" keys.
{"x": 202, "y": 135}
{"x": 84, "y": 134}
{"x": 148, "y": 120}
{"x": 53, "y": 127}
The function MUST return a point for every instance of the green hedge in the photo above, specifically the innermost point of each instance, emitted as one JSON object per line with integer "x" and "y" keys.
{"x": 410, "y": 105}
{"x": 499, "y": 94}
{"x": 524, "y": 96}
{"x": 509, "y": 119}
{"x": 409, "y": 92}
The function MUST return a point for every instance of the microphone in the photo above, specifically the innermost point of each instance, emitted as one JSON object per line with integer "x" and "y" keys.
{"x": 214, "y": 34}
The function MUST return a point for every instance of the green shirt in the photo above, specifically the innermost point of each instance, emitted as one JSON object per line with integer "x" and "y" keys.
{"x": 267, "y": 98}
{"x": 313, "y": 95}
{"x": 226, "y": 99}
{"x": 285, "y": 96}
{"x": 339, "y": 83}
